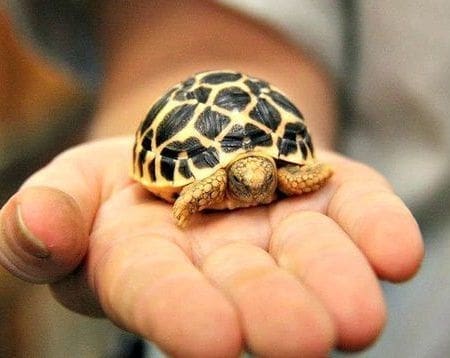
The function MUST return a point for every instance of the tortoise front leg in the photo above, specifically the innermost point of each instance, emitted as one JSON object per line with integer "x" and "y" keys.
{"x": 200, "y": 195}
{"x": 296, "y": 179}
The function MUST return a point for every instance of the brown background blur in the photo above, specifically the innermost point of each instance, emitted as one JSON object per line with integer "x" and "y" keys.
{"x": 43, "y": 109}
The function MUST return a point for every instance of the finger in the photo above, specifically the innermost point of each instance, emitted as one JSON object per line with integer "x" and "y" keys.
{"x": 279, "y": 317}
{"x": 377, "y": 220}
{"x": 147, "y": 285}
{"x": 320, "y": 254}
{"x": 45, "y": 226}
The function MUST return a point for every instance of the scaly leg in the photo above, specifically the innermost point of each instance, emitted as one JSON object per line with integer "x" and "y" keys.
{"x": 296, "y": 179}
{"x": 200, "y": 195}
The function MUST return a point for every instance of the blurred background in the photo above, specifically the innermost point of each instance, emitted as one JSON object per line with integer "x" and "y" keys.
{"x": 392, "y": 64}
{"x": 45, "y": 105}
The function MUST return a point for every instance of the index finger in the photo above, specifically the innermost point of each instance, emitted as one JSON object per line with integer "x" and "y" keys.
{"x": 363, "y": 203}
{"x": 365, "y": 206}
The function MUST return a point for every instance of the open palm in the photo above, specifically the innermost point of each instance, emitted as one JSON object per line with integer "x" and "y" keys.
{"x": 296, "y": 277}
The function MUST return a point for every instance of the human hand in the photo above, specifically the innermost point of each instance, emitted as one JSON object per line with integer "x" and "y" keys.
{"x": 294, "y": 278}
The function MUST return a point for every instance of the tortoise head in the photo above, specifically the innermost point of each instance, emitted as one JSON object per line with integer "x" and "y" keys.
{"x": 252, "y": 179}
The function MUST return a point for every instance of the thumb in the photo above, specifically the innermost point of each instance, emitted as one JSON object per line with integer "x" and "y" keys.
{"x": 43, "y": 235}
{"x": 44, "y": 228}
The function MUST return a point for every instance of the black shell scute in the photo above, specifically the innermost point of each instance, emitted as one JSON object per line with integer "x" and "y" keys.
{"x": 266, "y": 114}
{"x": 221, "y": 77}
{"x": 207, "y": 121}
{"x": 232, "y": 98}
{"x": 211, "y": 123}
{"x": 173, "y": 122}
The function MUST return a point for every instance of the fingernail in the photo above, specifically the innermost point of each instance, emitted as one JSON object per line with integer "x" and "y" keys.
{"x": 28, "y": 241}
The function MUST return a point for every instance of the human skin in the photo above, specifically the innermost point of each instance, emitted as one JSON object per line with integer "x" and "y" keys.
{"x": 294, "y": 278}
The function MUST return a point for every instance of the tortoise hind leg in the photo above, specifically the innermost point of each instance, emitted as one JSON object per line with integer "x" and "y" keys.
{"x": 296, "y": 179}
{"x": 199, "y": 195}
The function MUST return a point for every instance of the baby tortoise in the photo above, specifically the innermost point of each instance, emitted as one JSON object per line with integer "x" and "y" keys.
{"x": 222, "y": 139}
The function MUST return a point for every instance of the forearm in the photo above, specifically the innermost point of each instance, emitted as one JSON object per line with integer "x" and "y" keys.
{"x": 150, "y": 45}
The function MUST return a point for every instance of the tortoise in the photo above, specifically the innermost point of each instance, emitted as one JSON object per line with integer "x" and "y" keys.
{"x": 224, "y": 140}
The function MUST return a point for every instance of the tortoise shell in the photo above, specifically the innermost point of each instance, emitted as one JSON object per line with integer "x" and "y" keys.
{"x": 210, "y": 120}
